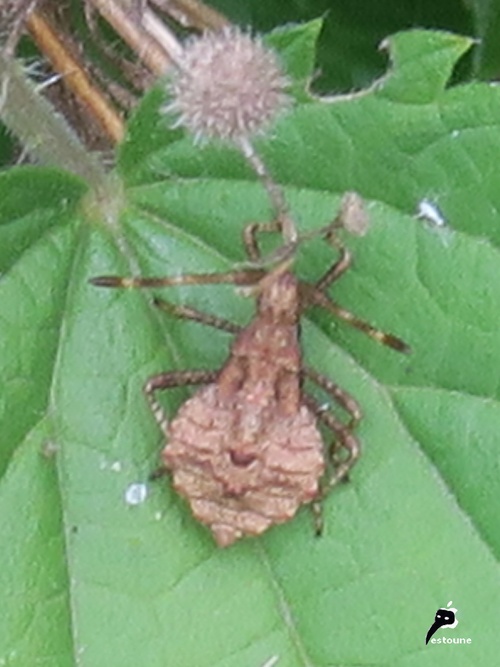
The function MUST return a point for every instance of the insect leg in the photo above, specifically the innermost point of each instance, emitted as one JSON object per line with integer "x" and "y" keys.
{"x": 189, "y": 313}
{"x": 344, "y": 440}
{"x": 341, "y": 265}
{"x": 352, "y": 217}
{"x": 339, "y": 395}
{"x": 170, "y": 380}
{"x": 311, "y": 296}
{"x": 315, "y": 294}
{"x": 250, "y": 236}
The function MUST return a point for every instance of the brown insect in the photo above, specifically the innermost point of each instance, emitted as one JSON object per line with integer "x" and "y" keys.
{"x": 245, "y": 450}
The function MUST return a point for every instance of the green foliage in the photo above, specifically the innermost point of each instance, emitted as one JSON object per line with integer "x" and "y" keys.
{"x": 347, "y": 54}
{"x": 86, "y": 579}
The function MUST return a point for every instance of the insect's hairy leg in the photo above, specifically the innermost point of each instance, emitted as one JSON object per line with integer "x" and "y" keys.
{"x": 311, "y": 296}
{"x": 188, "y": 313}
{"x": 170, "y": 380}
{"x": 341, "y": 265}
{"x": 340, "y": 467}
{"x": 250, "y": 233}
{"x": 183, "y": 378}
{"x": 339, "y": 395}
{"x": 314, "y": 294}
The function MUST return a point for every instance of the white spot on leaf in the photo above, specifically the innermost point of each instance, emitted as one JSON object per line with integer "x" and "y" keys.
{"x": 136, "y": 493}
{"x": 427, "y": 210}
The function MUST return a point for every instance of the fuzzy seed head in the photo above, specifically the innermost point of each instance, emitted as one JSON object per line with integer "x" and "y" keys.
{"x": 228, "y": 86}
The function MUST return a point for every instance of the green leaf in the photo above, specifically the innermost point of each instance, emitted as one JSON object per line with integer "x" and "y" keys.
{"x": 146, "y": 133}
{"x": 348, "y": 57}
{"x": 420, "y": 72}
{"x": 25, "y": 217}
{"x": 87, "y": 578}
{"x": 297, "y": 47}
{"x": 34, "y": 577}
{"x": 458, "y": 435}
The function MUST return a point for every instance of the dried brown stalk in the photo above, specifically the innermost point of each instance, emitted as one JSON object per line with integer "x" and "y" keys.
{"x": 63, "y": 61}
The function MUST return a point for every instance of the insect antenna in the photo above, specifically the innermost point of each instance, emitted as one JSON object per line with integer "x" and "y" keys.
{"x": 246, "y": 277}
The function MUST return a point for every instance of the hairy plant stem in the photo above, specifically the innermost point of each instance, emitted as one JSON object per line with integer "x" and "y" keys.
{"x": 44, "y": 134}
